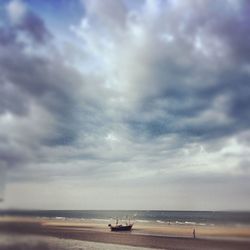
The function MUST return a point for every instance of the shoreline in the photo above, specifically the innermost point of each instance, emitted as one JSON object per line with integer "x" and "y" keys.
{"x": 149, "y": 236}
{"x": 240, "y": 232}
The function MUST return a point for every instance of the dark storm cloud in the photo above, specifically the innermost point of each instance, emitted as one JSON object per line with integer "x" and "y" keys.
{"x": 6, "y": 36}
{"x": 19, "y": 19}
{"x": 236, "y": 31}
{"x": 38, "y": 94}
{"x": 16, "y": 67}
{"x": 11, "y": 155}
{"x": 189, "y": 84}
{"x": 49, "y": 82}
{"x": 35, "y": 28}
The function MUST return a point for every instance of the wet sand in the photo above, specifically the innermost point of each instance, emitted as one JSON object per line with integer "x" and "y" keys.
{"x": 149, "y": 235}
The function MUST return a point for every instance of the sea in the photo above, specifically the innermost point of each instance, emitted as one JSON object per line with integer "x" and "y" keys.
{"x": 200, "y": 218}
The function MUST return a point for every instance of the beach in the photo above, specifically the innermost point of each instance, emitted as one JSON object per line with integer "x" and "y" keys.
{"x": 58, "y": 233}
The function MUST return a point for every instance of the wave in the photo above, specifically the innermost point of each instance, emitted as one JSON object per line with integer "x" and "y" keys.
{"x": 100, "y": 220}
{"x": 60, "y": 218}
{"x": 179, "y": 223}
{"x": 160, "y": 221}
{"x": 190, "y": 223}
{"x": 185, "y": 223}
{"x": 143, "y": 221}
{"x": 202, "y": 224}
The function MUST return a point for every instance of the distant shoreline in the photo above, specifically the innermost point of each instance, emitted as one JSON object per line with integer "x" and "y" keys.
{"x": 152, "y": 236}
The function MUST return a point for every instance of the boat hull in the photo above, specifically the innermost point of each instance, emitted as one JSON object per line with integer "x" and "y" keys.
{"x": 121, "y": 228}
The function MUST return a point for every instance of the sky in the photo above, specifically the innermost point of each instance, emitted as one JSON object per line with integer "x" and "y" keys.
{"x": 123, "y": 104}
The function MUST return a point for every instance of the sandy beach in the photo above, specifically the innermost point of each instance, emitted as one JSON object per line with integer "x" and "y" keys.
{"x": 146, "y": 235}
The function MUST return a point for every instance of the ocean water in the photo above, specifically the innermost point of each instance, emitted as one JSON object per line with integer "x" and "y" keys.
{"x": 202, "y": 218}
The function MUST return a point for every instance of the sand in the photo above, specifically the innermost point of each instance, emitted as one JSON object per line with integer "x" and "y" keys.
{"x": 147, "y": 235}
{"x": 38, "y": 242}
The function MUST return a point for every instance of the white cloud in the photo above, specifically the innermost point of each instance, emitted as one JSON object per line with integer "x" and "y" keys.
{"x": 16, "y": 10}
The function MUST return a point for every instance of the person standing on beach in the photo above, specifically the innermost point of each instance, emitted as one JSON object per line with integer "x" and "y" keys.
{"x": 194, "y": 233}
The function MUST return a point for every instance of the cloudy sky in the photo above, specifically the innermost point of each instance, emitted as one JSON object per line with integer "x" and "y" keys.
{"x": 123, "y": 104}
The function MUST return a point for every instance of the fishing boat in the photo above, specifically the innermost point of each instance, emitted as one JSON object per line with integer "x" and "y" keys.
{"x": 120, "y": 227}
